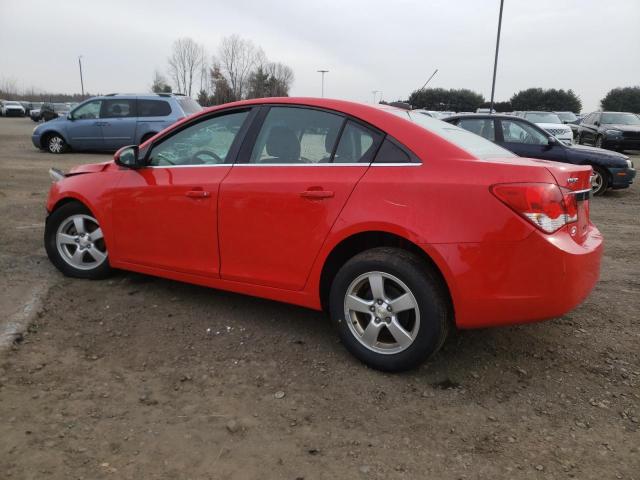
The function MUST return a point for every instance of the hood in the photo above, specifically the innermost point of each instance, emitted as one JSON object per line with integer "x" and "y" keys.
{"x": 623, "y": 128}
{"x": 89, "y": 168}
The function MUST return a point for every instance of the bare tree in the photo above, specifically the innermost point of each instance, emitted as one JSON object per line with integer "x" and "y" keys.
{"x": 237, "y": 58}
{"x": 185, "y": 64}
{"x": 281, "y": 78}
{"x": 9, "y": 88}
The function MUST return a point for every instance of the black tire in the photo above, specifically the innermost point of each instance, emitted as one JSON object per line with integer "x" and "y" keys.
{"x": 601, "y": 181}
{"x": 599, "y": 143}
{"x": 55, "y": 143}
{"x": 54, "y": 222}
{"x": 423, "y": 283}
{"x": 578, "y": 139}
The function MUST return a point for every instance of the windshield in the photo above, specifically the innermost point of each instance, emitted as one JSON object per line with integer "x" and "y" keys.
{"x": 61, "y": 107}
{"x": 12, "y": 103}
{"x": 474, "y": 144}
{"x": 620, "y": 118}
{"x": 567, "y": 116}
{"x": 542, "y": 117}
{"x": 189, "y": 105}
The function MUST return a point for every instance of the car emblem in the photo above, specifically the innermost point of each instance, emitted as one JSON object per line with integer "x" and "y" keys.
{"x": 572, "y": 180}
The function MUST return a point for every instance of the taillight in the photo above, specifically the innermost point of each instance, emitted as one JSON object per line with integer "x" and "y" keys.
{"x": 546, "y": 205}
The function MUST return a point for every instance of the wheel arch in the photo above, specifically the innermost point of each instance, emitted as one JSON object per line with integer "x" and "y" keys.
{"x": 46, "y": 134}
{"x": 356, "y": 243}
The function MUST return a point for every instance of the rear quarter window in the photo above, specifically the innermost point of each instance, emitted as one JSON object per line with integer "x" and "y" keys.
{"x": 153, "y": 108}
{"x": 189, "y": 105}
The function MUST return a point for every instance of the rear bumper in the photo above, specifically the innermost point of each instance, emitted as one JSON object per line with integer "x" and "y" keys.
{"x": 541, "y": 277}
{"x": 622, "y": 177}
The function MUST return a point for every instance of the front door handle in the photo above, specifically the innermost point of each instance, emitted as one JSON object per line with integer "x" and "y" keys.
{"x": 198, "y": 194}
{"x": 317, "y": 194}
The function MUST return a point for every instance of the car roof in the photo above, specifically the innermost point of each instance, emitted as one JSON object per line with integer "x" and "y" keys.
{"x": 486, "y": 115}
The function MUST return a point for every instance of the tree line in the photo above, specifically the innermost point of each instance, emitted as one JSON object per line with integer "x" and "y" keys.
{"x": 239, "y": 70}
{"x": 463, "y": 100}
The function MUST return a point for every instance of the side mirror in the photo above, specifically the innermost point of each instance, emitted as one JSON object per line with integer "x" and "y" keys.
{"x": 70, "y": 117}
{"x": 596, "y": 123}
{"x": 552, "y": 142}
{"x": 128, "y": 157}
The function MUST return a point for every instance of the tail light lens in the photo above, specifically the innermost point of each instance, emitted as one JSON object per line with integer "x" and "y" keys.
{"x": 545, "y": 205}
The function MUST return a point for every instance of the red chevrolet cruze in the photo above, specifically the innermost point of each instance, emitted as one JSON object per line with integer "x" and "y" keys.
{"x": 400, "y": 225}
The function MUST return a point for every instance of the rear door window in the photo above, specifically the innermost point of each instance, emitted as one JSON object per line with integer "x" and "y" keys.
{"x": 391, "y": 153}
{"x": 296, "y": 135}
{"x": 118, "y": 108}
{"x": 479, "y": 126}
{"x": 358, "y": 144}
{"x": 153, "y": 108}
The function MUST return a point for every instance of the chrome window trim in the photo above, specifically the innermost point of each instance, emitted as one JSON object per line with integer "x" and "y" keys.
{"x": 323, "y": 164}
{"x": 196, "y": 165}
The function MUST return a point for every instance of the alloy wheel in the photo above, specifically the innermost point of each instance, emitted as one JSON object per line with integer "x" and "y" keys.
{"x": 596, "y": 182}
{"x": 80, "y": 242}
{"x": 56, "y": 144}
{"x": 382, "y": 312}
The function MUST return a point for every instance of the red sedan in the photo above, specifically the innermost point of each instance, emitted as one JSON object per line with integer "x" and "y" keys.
{"x": 400, "y": 225}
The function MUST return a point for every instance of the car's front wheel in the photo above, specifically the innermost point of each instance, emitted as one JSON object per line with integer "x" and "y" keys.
{"x": 599, "y": 142}
{"x": 54, "y": 143}
{"x": 75, "y": 243}
{"x": 578, "y": 139}
{"x": 599, "y": 181}
{"x": 390, "y": 308}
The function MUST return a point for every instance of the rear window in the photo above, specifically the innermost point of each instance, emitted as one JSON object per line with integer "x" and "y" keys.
{"x": 469, "y": 142}
{"x": 189, "y": 105}
{"x": 153, "y": 108}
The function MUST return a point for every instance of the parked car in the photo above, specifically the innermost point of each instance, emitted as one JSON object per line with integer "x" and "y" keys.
{"x": 524, "y": 138}
{"x": 34, "y": 114}
{"x": 50, "y": 111}
{"x": 552, "y": 124}
{"x": 28, "y": 106}
{"x": 12, "y": 109}
{"x": 612, "y": 130}
{"x": 113, "y": 121}
{"x": 400, "y": 225}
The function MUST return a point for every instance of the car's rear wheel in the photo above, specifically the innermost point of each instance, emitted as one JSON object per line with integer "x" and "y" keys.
{"x": 54, "y": 143}
{"x": 599, "y": 181}
{"x": 75, "y": 243}
{"x": 578, "y": 139}
{"x": 390, "y": 309}
{"x": 599, "y": 142}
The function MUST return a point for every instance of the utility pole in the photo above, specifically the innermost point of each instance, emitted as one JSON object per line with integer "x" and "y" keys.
{"x": 323, "y": 72}
{"x": 495, "y": 62}
{"x": 81, "y": 80}
{"x": 374, "y": 95}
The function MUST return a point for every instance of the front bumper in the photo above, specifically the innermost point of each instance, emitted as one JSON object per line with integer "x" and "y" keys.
{"x": 507, "y": 283}
{"x": 36, "y": 138}
{"x": 621, "y": 143}
{"x": 622, "y": 177}
{"x": 14, "y": 113}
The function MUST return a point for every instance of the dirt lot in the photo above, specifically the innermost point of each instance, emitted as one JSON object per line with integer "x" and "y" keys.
{"x": 121, "y": 379}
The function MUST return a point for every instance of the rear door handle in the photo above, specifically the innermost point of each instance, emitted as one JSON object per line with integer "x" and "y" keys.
{"x": 198, "y": 194}
{"x": 317, "y": 194}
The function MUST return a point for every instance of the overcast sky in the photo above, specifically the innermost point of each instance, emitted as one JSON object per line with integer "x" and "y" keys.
{"x": 392, "y": 46}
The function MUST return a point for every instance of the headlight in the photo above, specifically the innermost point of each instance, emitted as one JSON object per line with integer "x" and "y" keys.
{"x": 613, "y": 132}
{"x": 56, "y": 175}
{"x": 629, "y": 164}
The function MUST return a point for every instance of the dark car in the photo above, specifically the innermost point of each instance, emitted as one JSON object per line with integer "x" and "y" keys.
{"x": 610, "y": 169}
{"x": 612, "y": 130}
{"x": 49, "y": 111}
{"x": 571, "y": 120}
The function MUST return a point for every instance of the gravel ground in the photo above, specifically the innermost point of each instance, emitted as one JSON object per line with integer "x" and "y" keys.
{"x": 137, "y": 377}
